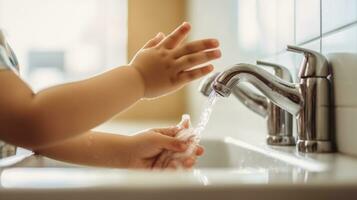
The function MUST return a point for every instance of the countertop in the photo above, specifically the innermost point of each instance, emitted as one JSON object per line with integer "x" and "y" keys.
{"x": 29, "y": 180}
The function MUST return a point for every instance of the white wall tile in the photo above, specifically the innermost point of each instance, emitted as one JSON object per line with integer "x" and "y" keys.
{"x": 336, "y": 13}
{"x": 341, "y": 41}
{"x": 344, "y": 68}
{"x": 264, "y": 27}
{"x": 256, "y": 28}
{"x": 314, "y": 45}
{"x": 268, "y": 27}
{"x": 346, "y": 126}
{"x": 285, "y": 24}
{"x": 307, "y": 20}
{"x": 287, "y": 59}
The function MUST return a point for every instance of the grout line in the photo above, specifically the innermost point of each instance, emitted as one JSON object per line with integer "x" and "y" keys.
{"x": 294, "y": 36}
{"x": 328, "y": 33}
{"x": 346, "y": 26}
{"x": 321, "y": 34}
{"x": 309, "y": 40}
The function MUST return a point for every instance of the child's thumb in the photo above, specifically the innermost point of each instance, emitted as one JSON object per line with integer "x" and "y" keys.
{"x": 173, "y": 144}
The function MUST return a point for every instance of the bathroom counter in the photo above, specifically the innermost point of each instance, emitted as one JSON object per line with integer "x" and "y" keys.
{"x": 325, "y": 176}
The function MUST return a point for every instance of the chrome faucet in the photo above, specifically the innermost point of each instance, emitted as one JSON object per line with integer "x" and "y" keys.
{"x": 309, "y": 100}
{"x": 255, "y": 102}
{"x": 279, "y": 122}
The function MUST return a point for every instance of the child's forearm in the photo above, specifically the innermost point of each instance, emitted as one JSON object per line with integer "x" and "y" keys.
{"x": 74, "y": 108}
{"x": 93, "y": 149}
{"x": 57, "y": 113}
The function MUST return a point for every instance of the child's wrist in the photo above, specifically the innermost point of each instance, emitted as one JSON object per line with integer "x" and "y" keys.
{"x": 139, "y": 77}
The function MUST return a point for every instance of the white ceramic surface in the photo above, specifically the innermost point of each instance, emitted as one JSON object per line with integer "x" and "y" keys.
{"x": 346, "y": 129}
{"x": 231, "y": 169}
{"x": 344, "y": 69}
{"x": 341, "y": 41}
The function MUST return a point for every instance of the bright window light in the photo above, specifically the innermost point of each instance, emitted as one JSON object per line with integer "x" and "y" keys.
{"x": 63, "y": 40}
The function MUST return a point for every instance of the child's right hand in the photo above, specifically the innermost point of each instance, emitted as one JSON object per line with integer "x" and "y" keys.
{"x": 153, "y": 148}
{"x": 167, "y": 65}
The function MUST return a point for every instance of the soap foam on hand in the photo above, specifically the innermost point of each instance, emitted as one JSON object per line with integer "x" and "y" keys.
{"x": 187, "y": 134}
{"x": 190, "y": 134}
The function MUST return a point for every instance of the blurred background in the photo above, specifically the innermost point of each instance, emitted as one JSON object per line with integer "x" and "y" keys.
{"x": 64, "y": 40}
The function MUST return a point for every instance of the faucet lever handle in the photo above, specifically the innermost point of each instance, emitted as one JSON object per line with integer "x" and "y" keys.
{"x": 314, "y": 63}
{"x": 280, "y": 70}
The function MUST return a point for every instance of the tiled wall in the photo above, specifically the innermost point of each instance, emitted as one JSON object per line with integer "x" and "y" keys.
{"x": 260, "y": 29}
{"x": 323, "y": 25}
{"x": 327, "y": 26}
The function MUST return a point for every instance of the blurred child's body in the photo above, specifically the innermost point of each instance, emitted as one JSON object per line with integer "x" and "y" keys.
{"x": 56, "y": 122}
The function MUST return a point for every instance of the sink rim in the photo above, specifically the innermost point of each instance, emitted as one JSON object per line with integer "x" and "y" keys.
{"x": 289, "y": 155}
{"x": 128, "y": 178}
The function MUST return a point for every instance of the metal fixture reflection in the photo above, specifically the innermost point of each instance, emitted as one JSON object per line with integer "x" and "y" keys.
{"x": 309, "y": 100}
{"x": 279, "y": 122}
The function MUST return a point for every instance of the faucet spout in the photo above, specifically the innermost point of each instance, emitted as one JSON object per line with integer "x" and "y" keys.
{"x": 282, "y": 93}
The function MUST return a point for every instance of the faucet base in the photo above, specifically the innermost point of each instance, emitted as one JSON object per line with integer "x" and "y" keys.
{"x": 280, "y": 140}
{"x": 315, "y": 146}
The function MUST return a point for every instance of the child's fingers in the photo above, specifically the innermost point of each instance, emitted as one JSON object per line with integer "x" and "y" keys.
{"x": 196, "y": 46}
{"x": 173, "y": 164}
{"x": 192, "y": 60}
{"x": 171, "y": 143}
{"x": 185, "y": 163}
{"x": 199, "y": 150}
{"x": 188, "y": 76}
{"x": 170, "y": 161}
{"x": 176, "y": 37}
{"x": 159, "y": 163}
{"x": 166, "y": 160}
{"x": 170, "y": 131}
{"x": 189, "y": 162}
{"x": 154, "y": 41}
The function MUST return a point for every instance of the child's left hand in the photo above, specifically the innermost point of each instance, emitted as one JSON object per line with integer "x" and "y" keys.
{"x": 149, "y": 145}
{"x": 166, "y": 64}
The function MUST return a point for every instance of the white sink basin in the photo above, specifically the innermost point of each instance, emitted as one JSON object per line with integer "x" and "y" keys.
{"x": 222, "y": 154}
{"x": 230, "y": 168}
{"x": 232, "y": 154}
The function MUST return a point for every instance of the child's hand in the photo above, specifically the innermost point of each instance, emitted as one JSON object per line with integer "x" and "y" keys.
{"x": 167, "y": 65}
{"x": 148, "y": 146}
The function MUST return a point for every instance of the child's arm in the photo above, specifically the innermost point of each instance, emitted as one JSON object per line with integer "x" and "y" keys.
{"x": 111, "y": 150}
{"x": 57, "y": 113}
{"x": 33, "y": 120}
